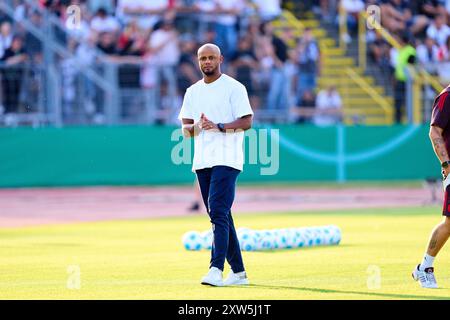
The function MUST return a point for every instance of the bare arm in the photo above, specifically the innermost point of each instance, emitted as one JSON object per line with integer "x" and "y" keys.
{"x": 190, "y": 129}
{"x": 438, "y": 143}
{"x": 243, "y": 123}
{"x": 141, "y": 10}
{"x": 428, "y": 8}
{"x": 16, "y": 59}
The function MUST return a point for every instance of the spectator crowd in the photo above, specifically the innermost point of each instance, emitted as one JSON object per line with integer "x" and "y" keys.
{"x": 155, "y": 44}
{"x": 422, "y": 30}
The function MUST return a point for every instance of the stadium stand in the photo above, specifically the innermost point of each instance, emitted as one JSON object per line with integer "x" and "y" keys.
{"x": 69, "y": 62}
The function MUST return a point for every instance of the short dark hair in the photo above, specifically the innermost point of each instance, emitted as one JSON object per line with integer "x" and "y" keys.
{"x": 102, "y": 11}
{"x": 262, "y": 27}
{"x": 17, "y": 37}
{"x": 406, "y": 37}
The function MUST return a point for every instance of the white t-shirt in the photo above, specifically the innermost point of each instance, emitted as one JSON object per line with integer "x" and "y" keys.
{"x": 353, "y": 6}
{"x": 440, "y": 36}
{"x": 145, "y": 21}
{"x": 222, "y": 101}
{"x": 325, "y": 101}
{"x": 229, "y": 19}
{"x": 5, "y": 43}
{"x": 169, "y": 55}
{"x": 108, "y": 24}
{"x": 423, "y": 54}
{"x": 268, "y": 9}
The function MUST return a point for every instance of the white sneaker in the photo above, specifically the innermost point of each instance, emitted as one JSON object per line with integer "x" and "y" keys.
{"x": 425, "y": 277}
{"x": 235, "y": 279}
{"x": 213, "y": 277}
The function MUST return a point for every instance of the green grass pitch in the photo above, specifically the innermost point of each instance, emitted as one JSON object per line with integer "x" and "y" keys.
{"x": 144, "y": 259}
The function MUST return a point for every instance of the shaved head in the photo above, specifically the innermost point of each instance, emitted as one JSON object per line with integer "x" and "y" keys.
{"x": 209, "y": 59}
{"x": 209, "y": 47}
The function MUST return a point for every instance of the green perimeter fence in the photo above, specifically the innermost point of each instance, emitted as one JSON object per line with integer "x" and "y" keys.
{"x": 152, "y": 155}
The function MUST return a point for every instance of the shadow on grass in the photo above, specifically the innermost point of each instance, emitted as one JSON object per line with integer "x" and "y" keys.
{"x": 331, "y": 291}
{"x": 379, "y": 212}
{"x": 300, "y": 249}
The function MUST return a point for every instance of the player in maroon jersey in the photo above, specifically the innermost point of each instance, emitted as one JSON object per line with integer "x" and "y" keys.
{"x": 440, "y": 139}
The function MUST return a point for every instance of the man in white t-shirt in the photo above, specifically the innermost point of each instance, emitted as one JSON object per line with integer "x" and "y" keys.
{"x": 6, "y": 37}
{"x": 104, "y": 22}
{"x": 439, "y": 31}
{"x": 145, "y": 12}
{"x": 268, "y": 9}
{"x": 165, "y": 48}
{"x": 216, "y": 111}
{"x": 226, "y": 19}
{"x": 328, "y": 107}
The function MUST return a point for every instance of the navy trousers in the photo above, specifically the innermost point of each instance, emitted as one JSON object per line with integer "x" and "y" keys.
{"x": 218, "y": 185}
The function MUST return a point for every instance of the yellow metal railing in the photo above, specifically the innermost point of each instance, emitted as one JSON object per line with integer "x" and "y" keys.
{"x": 420, "y": 76}
{"x": 362, "y": 45}
{"x": 292, "y": 19}
{"x": 432, "y": 81}
{"x": 377, "y": 97}
{"x": 394, "y": 43}
{"x": 343, "y": 32}
{"x": 380, "y": 102}
{"x": 376, "y": 25}
{"x": 362, "y": 61}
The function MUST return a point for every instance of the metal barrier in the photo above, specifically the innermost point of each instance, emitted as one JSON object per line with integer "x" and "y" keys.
{"x": 77, "y": 100}
{"x": 111, "y": 92}
{"x": 21, "y": 95}
{"x": 70, "y": 91}
{"x": 421, "y": 86}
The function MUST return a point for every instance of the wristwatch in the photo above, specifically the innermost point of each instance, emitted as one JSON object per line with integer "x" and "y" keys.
{"x": 221, "y": 127}
{"x": 445, "y": 164}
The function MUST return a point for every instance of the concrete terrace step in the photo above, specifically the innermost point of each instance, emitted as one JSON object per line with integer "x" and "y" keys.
{"x": 342, "y": 82}
{"x": 371, "y": 110}
{"x": 327, "y": 51}
{"x": 366, "y": 101}
{"x": 319, "y": 34}
{"x": 338, "y": 60}
{"x": 375, "y": 121}
{"x": 311, "y": 23}
{"x": 359, "y": 106}
{"x": 356, "y": 91}
{"x": 327, "y": 42}
{"x": 337, "y": 71}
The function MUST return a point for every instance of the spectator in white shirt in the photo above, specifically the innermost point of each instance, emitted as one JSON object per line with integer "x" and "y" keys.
{"x": 427, "y": 54}
{"x": 268, "y": 9}
{"x": 328, "y": 107}
{"x": 126, "y": 9}
{"x": 353, "y": 8}
{"x": 146, "y": 12}
{"x": 438, "y": 30}
{"x": 165, "y": 50}
{"x": 5, "y": 37}
{"x": 103, "y": 22}
{"x": 444, "y": 52}
{"x": 164, "y": 44}
{"x": 226, "y": 20}
{"x": 443, "y": 69}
